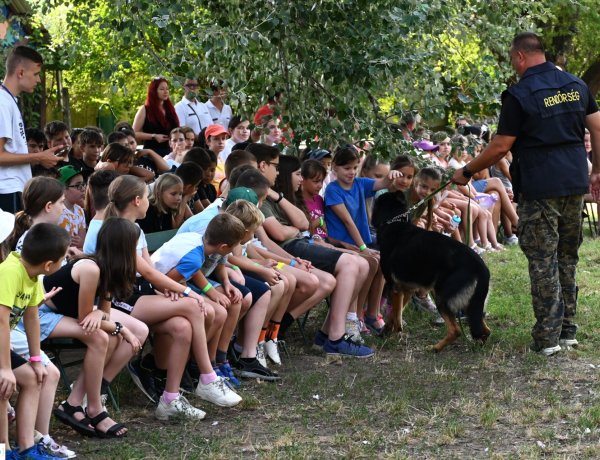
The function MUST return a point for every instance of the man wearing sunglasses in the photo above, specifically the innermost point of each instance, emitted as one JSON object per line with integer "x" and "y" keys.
{"x": 190, "y": 110}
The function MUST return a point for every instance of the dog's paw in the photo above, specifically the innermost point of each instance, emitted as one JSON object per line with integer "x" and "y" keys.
{"x": 435, "y": 348}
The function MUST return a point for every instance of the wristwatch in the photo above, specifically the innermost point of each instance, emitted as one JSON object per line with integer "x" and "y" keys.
{"x": 280, "y": 198}
{"x": 465, "y": 172}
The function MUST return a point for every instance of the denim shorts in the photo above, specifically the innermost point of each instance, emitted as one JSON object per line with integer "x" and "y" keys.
{"x": 480, "y": 185}
{"x": 19, "y": 345}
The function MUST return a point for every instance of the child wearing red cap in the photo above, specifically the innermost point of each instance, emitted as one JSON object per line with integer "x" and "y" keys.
{"x": 215, "y": 136}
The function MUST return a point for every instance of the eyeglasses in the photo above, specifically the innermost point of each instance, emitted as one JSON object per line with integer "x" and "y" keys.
{"x": 274, "y": 164}
{"x": 191, "y": 85}
{"x": 81, "y": 186}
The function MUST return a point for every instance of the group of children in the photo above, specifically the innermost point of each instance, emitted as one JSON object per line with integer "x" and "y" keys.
{"x": 261, "y": 238}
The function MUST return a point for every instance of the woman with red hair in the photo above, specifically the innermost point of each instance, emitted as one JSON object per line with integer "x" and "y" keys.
{"x": 156, "y": 118}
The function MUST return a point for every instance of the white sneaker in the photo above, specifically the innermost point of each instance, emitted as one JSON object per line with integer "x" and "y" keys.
{"x": 177, "y": 407}
{"x": 511, "y": 240}
{"x": 218, "y": 393}
{"x": 568, "y": 343}
{"x": 272, "y": 351}
{"x": 52, "y": 448}
{"x": 550, "y": 351}
{"x": 353, "y": 330}
{"x": 260, "y": 354}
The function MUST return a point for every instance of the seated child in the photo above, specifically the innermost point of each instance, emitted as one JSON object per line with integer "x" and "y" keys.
{"x": 167, "y": 208}
{"x": 72, "y": 218}
{"x": 216, "y": 137}
{"x": 116, "y": 157}
{"x": 44, "y": 249}
{"x": 91, "y": 143}
{"x": 191, "y": 175}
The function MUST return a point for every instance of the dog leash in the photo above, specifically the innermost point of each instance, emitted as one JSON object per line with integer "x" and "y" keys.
{"x": 401, "y": 217}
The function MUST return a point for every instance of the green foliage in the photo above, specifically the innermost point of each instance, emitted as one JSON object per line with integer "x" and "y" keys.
{"x": 348, "y": 68}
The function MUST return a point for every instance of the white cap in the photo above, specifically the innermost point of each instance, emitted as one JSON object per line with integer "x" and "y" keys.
{"x": 7, "y": 223}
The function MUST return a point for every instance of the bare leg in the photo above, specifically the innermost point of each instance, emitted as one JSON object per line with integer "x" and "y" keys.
{"x": 311, "y": 288}
{"x": 124, "y": 352}
{"x": 27, "y": 404}
{"x": 47, "y": 394}
{"x": 252, "y": 324}
{"x": 349, "y": 280}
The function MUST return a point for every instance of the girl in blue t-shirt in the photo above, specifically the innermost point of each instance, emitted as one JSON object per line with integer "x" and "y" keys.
{"x": 348, "y": 224}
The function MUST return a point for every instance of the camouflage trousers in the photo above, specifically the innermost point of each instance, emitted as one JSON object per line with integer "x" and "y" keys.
{"x": 550, "y": 235}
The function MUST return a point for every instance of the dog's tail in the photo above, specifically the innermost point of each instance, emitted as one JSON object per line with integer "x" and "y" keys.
{"x": 477, "y": 304}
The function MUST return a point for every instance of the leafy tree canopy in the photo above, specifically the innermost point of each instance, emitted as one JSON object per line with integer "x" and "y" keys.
{"x": 348, "y": 67}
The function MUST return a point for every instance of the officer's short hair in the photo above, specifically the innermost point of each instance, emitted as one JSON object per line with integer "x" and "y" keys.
{"x": 528, "y": 42}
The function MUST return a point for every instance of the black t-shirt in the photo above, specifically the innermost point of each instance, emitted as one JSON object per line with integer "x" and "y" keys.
{"x": 86, "y": 171}
{"x": 207, "y": 192}
{"x": 155, "y": 221}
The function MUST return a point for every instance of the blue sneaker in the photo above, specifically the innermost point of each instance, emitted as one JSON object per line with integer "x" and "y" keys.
{"x": 227, "y": 373}
{"x": 320, "y": 339}
{"x": 347, "y": 348}
{"x": 35, "y": 452}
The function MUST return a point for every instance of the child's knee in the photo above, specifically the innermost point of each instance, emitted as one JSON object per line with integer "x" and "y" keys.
{"x": 53, "y": 375}
{"x": 180, "y": 329}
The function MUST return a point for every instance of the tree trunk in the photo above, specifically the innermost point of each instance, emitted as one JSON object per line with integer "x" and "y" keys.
{"x": 592, "y": 77}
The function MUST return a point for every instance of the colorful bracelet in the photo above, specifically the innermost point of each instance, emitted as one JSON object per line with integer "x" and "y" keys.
{"x": 362, "y": 247}
{"x": 35, "y": 359}
{"x": 235, "y": 267}
{"x": 321, "y": 222}
{"x": 207, "y": 288}
{"x": 293, "y": 263}
{"x": 280, "y": 265}
{"x": 186, "y": 291}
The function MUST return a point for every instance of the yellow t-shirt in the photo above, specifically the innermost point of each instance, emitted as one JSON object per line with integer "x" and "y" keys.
{"x": 17, "y": 289}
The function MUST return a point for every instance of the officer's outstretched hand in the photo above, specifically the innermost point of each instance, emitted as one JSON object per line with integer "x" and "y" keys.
{"x": 595, "y": 186}
{"x": 459, "y": 178}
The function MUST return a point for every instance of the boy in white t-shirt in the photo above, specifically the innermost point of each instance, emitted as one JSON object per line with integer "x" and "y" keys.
{"x": 23, "y": 67}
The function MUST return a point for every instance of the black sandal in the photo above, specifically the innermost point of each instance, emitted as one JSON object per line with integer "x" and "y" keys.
{"x": 66, "y": 415}
{"x": 111, "y": 432}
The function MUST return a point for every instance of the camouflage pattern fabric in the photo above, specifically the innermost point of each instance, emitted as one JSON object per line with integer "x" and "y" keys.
{"x": 550, "y": 234}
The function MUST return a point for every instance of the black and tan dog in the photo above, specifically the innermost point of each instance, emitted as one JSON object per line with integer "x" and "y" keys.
{"x": 413, "y": 258}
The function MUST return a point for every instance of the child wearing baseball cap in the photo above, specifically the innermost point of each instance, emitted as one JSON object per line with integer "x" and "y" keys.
{"x": 72, "y": 218}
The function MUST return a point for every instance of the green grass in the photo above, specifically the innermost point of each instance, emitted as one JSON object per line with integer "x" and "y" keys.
{"x": 498, "y": 401}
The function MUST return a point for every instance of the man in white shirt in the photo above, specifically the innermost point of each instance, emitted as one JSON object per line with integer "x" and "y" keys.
{"x": 220, "y": 112}
{"x": 23, "y": 67}
{"x": 191, "y": 112}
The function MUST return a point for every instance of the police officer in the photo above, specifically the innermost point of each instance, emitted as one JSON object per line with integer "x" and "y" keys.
{"x": 542, "y": 121}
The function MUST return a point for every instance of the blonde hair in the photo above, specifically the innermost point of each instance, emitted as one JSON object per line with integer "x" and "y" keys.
{"x": 163, "y": 183}
{"x": 247, "y": 212}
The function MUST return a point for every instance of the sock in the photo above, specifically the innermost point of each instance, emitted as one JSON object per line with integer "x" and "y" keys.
{"x": 273, "y": 330}
{"x": 237, "y": 347}
{"x": 104, "y": 386}
{"x": 335, "y": 342}
{"x": 286, "y": 322}
{"x": 169, "y": 397}
{"x": 263, "y": 334}
{"x": 221, "y": 356}
{"x": 208, "y": 378}
{"x": 351, "y": 316}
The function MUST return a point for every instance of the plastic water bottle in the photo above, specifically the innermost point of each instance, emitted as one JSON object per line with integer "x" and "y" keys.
{"x": 455, "y": 222}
